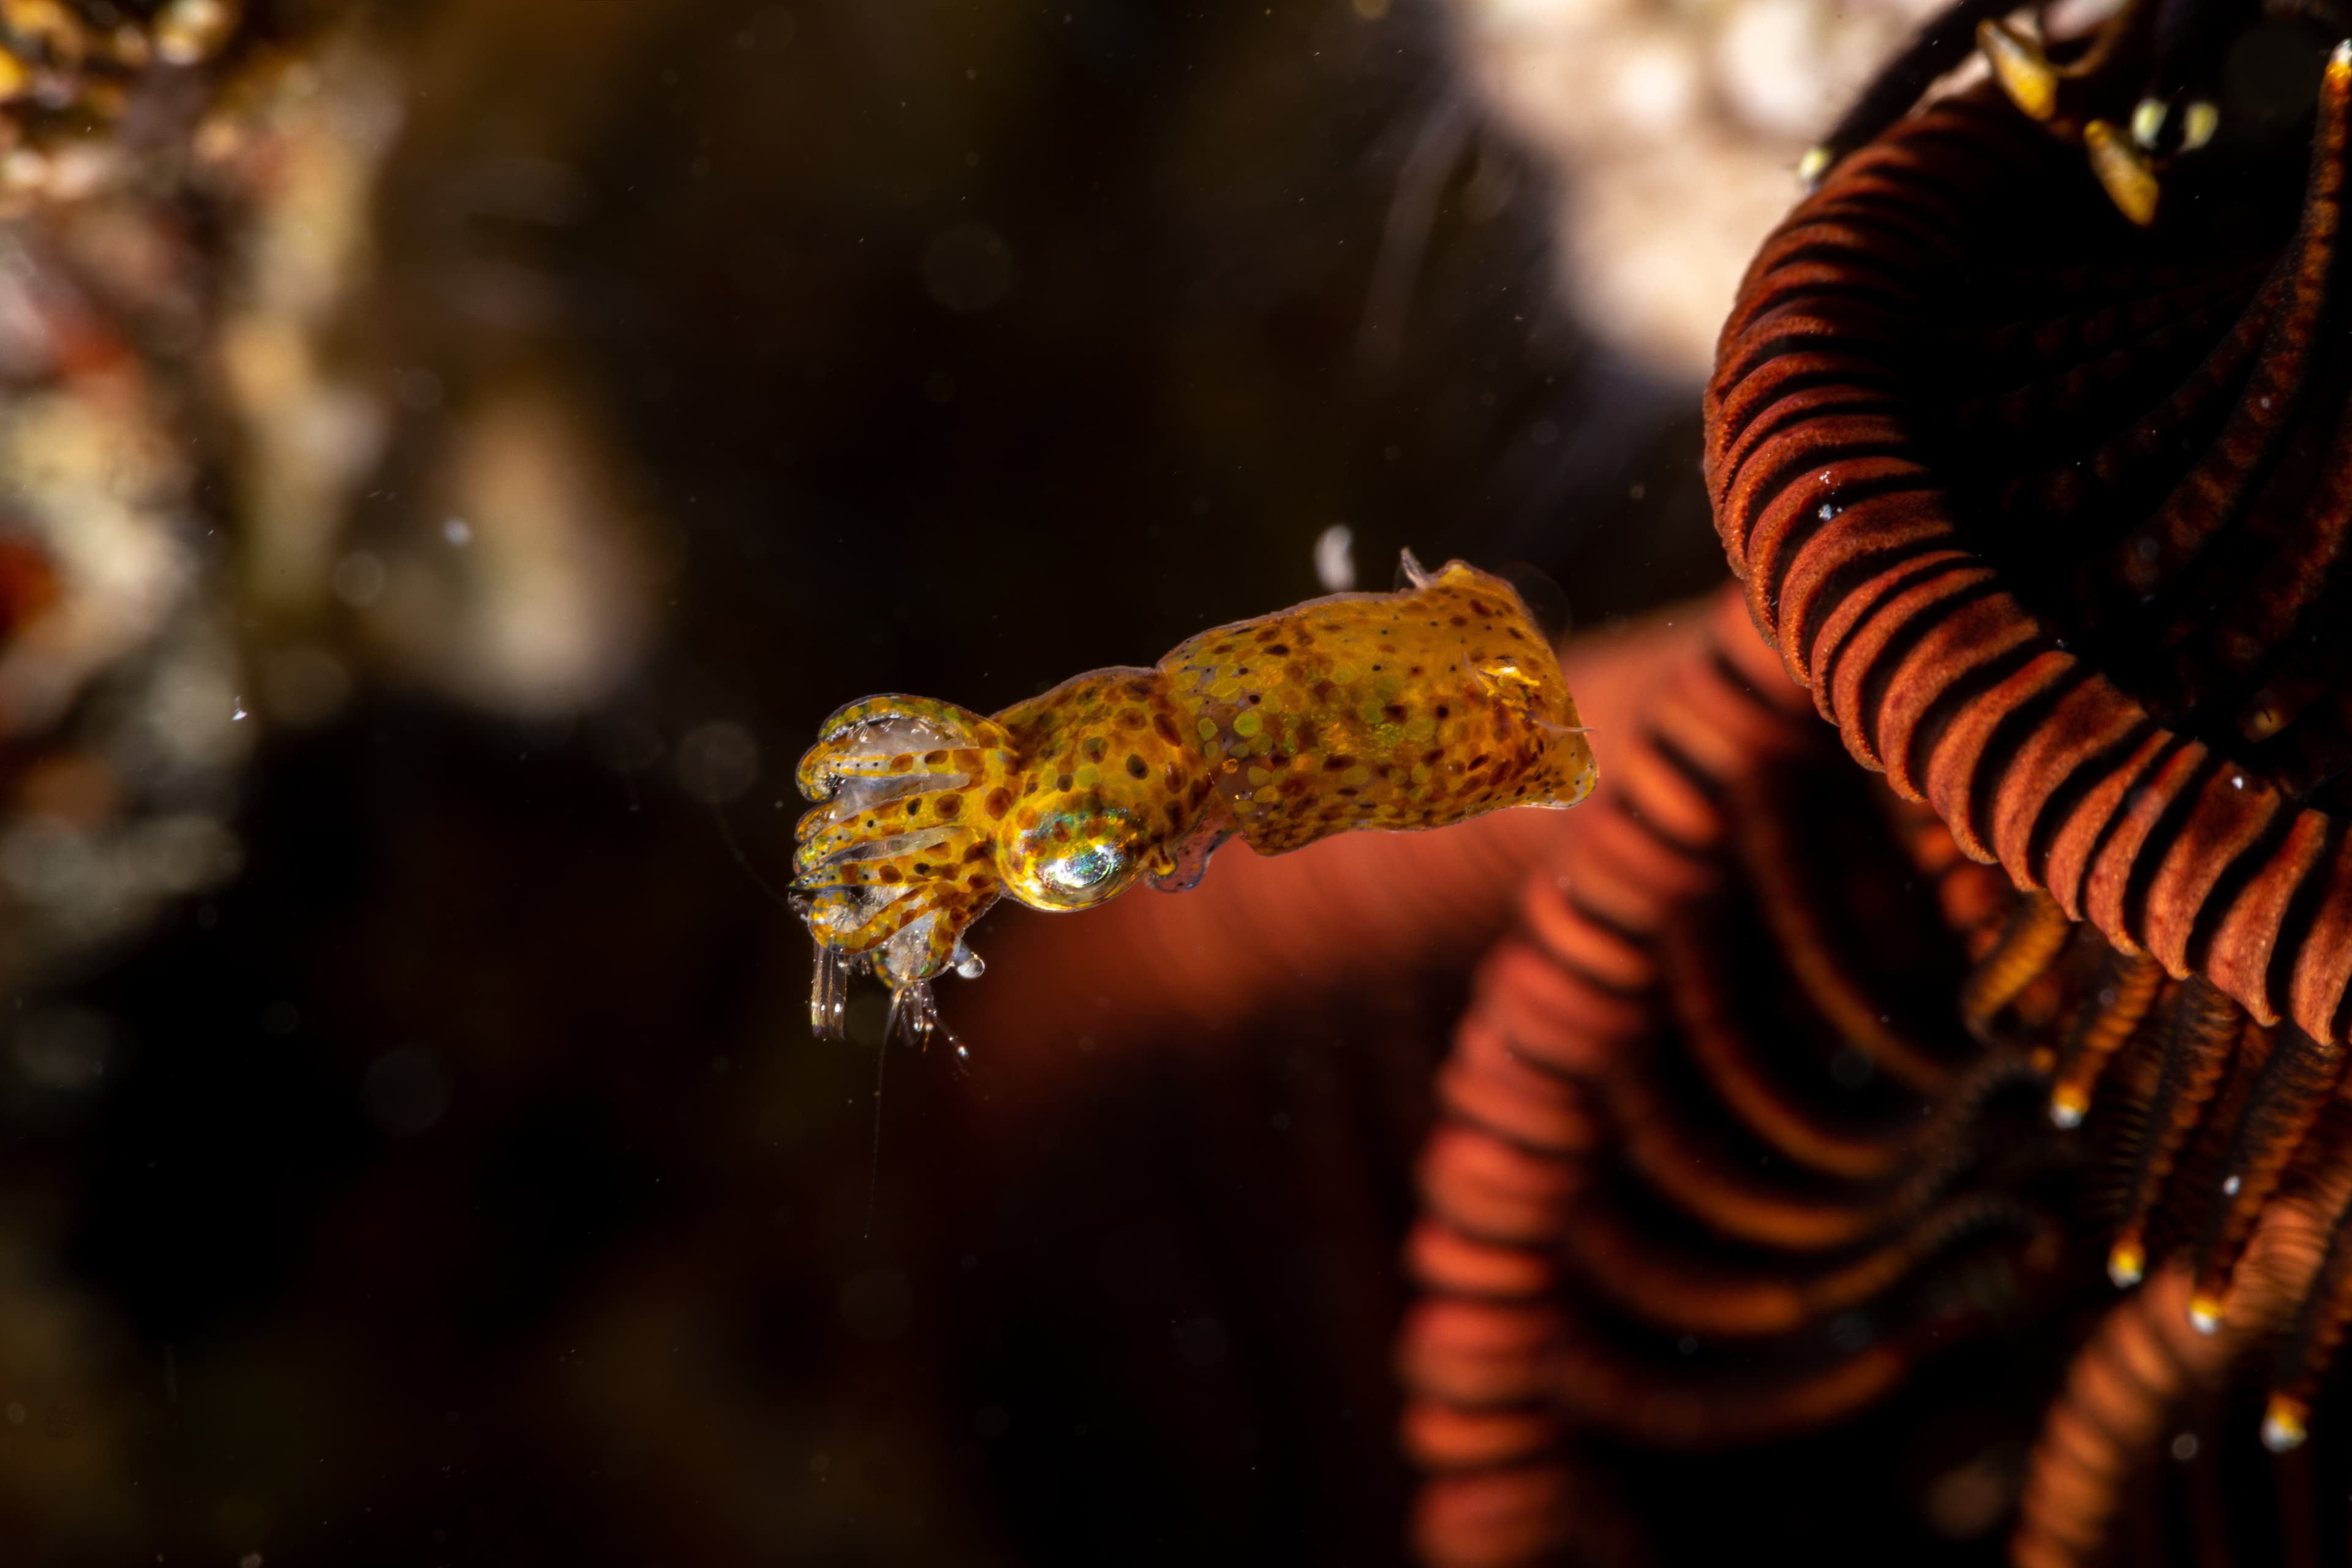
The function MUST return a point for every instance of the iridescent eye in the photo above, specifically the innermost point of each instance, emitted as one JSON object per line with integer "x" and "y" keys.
{"x": 1087, "y": 870}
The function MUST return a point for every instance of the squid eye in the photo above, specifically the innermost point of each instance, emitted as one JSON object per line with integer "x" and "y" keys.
{"x": 1075, "y": 875}
{"x": 1074, "y": 860}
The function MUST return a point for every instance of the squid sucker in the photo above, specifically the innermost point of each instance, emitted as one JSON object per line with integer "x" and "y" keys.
{"x": 1421, "y": 708}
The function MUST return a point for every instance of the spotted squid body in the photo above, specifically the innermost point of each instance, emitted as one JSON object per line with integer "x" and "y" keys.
{"x": 1417, "y": 708}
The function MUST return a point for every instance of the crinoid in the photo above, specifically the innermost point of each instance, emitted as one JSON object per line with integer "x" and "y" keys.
{"x": 1716, "y": 1162}
{"x": 2046, "y": 513}
{"x": 2030, "y": 439}
{"x": 2042, "y": 490}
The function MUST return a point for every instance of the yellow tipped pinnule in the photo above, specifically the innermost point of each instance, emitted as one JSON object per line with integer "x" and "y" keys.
{"x": 2123, "y": 172}
{"x": 1813, "y": 166}
{"x": 2282, "y": 1426}
{"x": 2204, "y": 118}
{"x": 2205, "y": 1314}
{"x": 2126, "y": 1264}
{"x": 2067, "y": 1105}
{"x": 2020, "y": 67}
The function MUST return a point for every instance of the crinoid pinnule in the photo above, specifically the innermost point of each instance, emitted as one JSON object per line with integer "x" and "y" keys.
{"x": 2043, "y": 492}
{"x": 2046, "y": 510}
{"x": 2143, "y": 1394}
{"x": 1716, "y": 1161}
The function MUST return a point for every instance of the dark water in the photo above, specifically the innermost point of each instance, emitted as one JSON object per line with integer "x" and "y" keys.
{"x": 473, "y": 1193}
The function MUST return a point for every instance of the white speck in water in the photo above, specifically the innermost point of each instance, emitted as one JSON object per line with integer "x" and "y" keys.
{"x": 456, "y": 530}
{"x": 1335, "y": 558}
{"x": 2237, "y": 781}
{"x": 2231, "y": 1187}
{"x": 233, "y": 718}
{"x": 2184, "y": 1447}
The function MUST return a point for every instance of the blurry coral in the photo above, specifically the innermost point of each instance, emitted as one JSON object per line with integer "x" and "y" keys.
{"x": 527, "y": 596}
{"x": 94, "y": 95}
{"x": 193, "y": 402}
{"x": 302, "y": 164}
{"x": 192, "y": 407}
{"x": 1672, "y": 132}
{"x": 65, "y": 1424}
{"x": 118, "y": 675}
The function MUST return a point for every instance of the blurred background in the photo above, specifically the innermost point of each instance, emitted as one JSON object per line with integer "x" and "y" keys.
{"x": 451, "y": 456}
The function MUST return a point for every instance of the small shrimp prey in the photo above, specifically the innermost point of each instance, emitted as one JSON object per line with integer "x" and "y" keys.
{"x": 1417, "y": 708}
